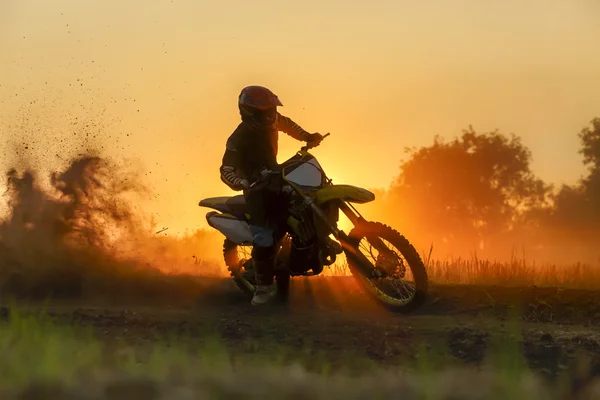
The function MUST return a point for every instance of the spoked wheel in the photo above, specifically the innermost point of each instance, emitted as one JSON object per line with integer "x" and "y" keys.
{"x": 238, "y": 260}
{"x": 239, "y": 263}
{"x": 400, "y": 280}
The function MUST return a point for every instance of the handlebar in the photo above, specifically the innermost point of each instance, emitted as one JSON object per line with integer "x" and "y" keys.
{"x": 308, "y": 146}
{"x": 275, "y": 172}
{"x": 264, "y": 177}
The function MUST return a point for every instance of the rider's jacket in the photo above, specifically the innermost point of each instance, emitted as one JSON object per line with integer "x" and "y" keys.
{"x": 248, "y": 151}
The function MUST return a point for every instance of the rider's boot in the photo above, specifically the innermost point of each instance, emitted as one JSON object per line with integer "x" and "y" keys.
{"x": 264, "y": 294}
{"x": 264, "y": 265}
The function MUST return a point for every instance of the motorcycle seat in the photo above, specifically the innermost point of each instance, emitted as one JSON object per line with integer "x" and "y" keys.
{"x": 237, "y": 205}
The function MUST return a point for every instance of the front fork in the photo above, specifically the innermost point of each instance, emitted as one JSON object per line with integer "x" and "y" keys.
{"x": 356, "y": 219}
{"x": 351, "y": 251}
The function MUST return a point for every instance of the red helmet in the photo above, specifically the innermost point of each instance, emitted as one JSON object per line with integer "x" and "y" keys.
{"x": 258, "y": 106}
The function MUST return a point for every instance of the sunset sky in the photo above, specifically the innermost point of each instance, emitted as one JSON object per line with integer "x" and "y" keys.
{"x": 157, "y": 82}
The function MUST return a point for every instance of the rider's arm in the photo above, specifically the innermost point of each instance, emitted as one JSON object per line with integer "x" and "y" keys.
{"x": 229, "y": 166}
{"x": 285, "y": 124}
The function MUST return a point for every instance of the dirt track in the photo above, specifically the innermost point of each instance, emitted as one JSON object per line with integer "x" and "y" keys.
{"x": 329, "y": 319}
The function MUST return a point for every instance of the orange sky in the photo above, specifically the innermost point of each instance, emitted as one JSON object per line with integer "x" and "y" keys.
{"x": 158, "y": 81}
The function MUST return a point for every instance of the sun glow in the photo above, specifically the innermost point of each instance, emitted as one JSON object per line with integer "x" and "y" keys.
{"x": 344, "y": 223}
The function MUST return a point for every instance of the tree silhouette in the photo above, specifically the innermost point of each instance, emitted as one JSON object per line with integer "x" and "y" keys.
{"x": 474, "y": 186}
{"x": 590, "y": 144}
{"x": 577, "y": 208}
{"x": 590, "y": 141}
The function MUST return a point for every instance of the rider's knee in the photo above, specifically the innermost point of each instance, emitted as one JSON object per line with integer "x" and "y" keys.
{"x": 263, "y": 237}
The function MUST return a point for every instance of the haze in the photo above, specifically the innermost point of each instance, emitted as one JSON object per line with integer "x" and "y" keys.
{"x": 157, "y": 82}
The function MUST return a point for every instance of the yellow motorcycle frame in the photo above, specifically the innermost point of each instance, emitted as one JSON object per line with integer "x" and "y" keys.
{"x": 341, "y": 198}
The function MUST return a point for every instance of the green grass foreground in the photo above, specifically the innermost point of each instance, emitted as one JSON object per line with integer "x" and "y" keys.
{"x": 42, "y": 360}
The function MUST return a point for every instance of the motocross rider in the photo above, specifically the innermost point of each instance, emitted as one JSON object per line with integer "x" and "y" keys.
{"x": 250, "y": 150}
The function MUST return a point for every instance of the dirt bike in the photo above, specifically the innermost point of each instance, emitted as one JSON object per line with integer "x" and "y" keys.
{"x": 307, "y": 247}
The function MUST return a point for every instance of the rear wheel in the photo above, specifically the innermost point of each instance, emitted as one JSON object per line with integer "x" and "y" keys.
{"x": 239, "y": 263}
{"x": 400, "y": 280}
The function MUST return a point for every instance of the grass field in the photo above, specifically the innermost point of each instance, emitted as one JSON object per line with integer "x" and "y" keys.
{"x": 40, "y": 359}
{"x": 490, "y": 330}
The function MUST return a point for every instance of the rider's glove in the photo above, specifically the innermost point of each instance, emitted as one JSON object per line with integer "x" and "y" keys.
{"x": 264, "y": 173}
{"x": 287, "y": 189}
{"x": 244, "y": 184}
{"x": 314, "y": 139}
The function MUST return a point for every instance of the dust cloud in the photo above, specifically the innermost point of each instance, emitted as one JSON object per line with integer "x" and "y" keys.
{"x": 84, "y": 236}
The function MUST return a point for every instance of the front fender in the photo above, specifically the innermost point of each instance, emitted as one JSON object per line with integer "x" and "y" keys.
{"x": 349, "y": 193}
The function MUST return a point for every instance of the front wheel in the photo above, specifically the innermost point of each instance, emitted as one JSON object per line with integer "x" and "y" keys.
{"x": 400, "y": 279}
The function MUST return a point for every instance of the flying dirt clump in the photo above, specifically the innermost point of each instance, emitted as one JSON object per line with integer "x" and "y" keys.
{"x": 73, "y": 239}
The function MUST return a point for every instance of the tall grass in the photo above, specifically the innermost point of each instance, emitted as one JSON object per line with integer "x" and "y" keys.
{"x": 518, "y": 271}
{"x": 515, "y": 272}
